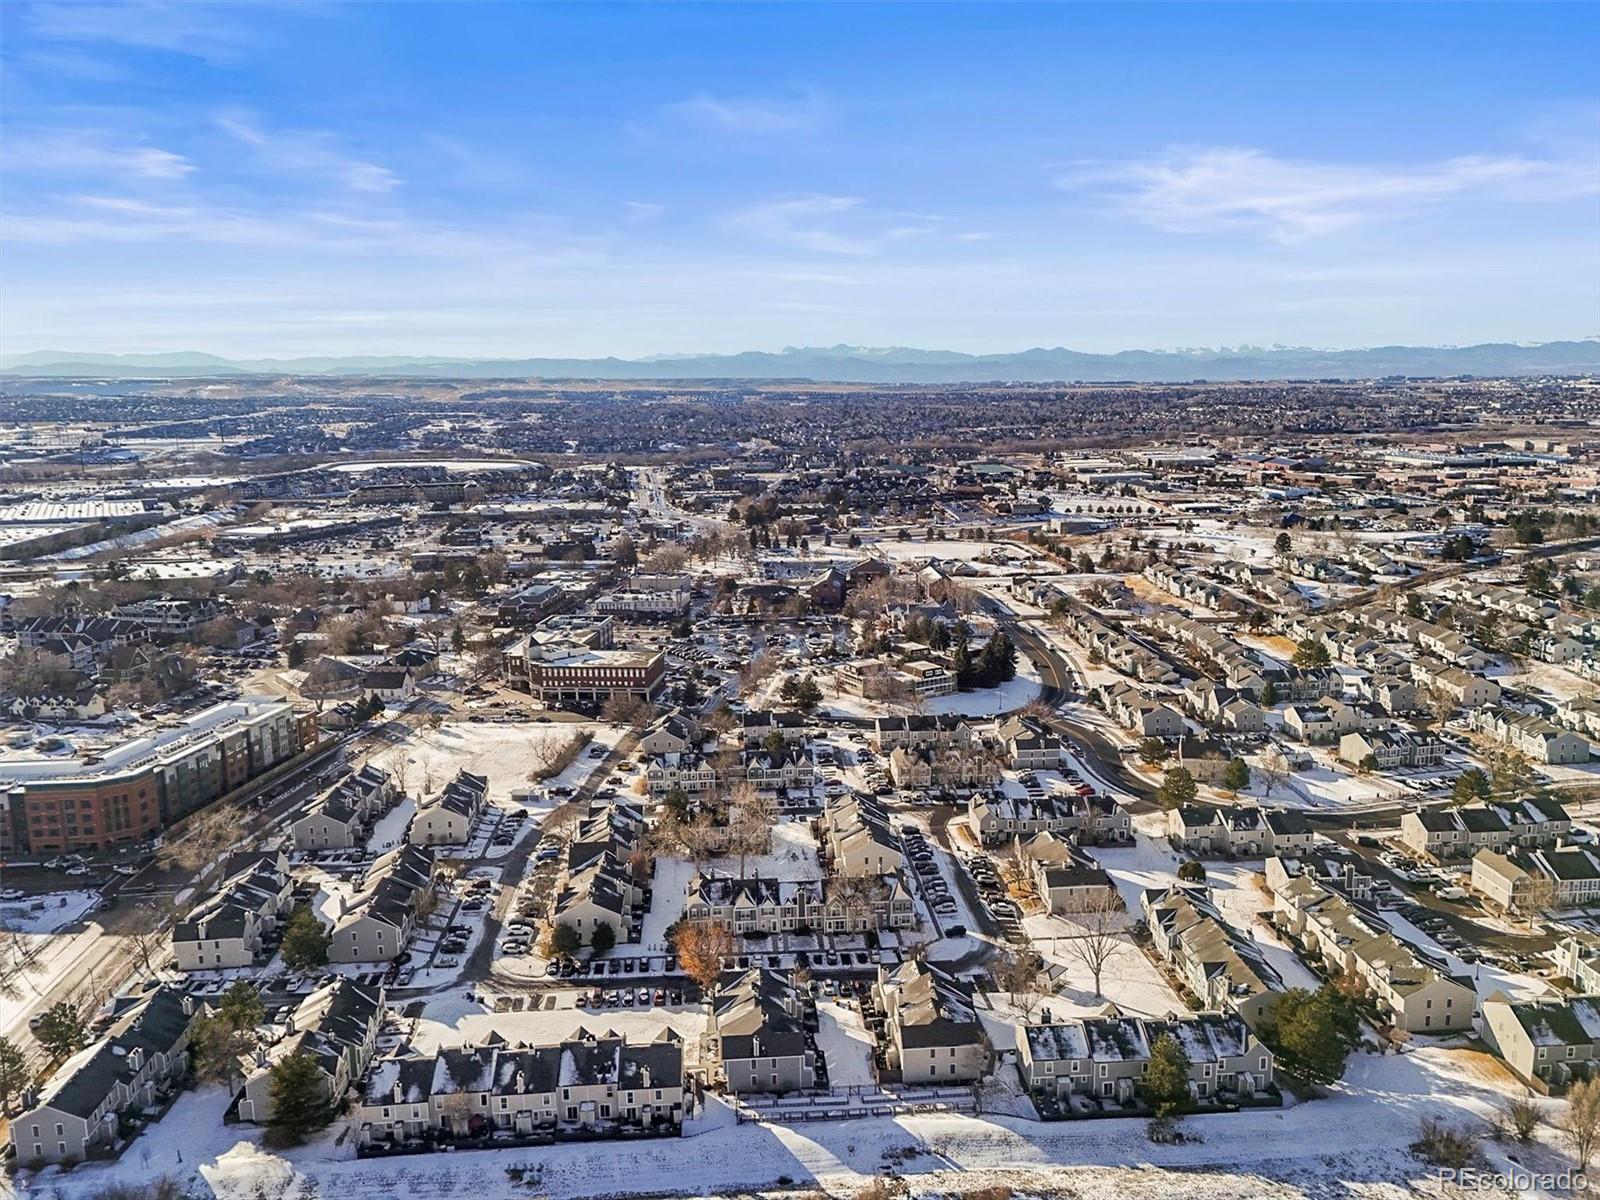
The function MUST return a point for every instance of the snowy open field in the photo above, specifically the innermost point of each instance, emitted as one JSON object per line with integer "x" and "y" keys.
{"x": 508, "y": 753}
{"x": 1354, "y": 1143}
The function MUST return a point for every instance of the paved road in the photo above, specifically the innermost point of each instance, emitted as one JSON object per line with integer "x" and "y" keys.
{"x": 480, "y": 965}
{"x": 1060, "y": 682}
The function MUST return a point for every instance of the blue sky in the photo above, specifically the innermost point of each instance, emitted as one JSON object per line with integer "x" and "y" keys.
{"x": 584, "y": 179}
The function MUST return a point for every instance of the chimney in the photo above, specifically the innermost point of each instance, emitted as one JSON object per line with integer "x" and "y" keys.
{"x": 396, "y": 1091}
{"x": 187, "y": 1004}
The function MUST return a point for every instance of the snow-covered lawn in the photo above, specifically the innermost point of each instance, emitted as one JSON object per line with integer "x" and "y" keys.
{"x": 845, "y": 1044}
{"x": 390, "y": 829}
{"x": 672, "y": 876}
{"x": 508, "y": 753}
{"x": 40, "y": 915}
{"x": 1128, "y": 979}
{"x": 793, "y": 855}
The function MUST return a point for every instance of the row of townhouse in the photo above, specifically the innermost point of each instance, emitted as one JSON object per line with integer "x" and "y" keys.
{"x": 1579, "y": 713}
{"x": 1087, "y": 820}
{"x": 590, "y": 1083}
{"x": 377, "y": 924}
{"x": 674, "y": 733}
{"x": 930, "y": 1031}
{"x": 758, "y": 1038}
{"x": 1521, "y": 881}
{"x": 1325, "y": 721}
{"x": 755, "y": 905}
{"x": 449, "y": 818}
{"x": 921, "y": 730}
{"x": 229, "y": 928}
{"x": 604, "y": 828}
{"x": 1186, "y": 585}
{"x": 945, "y": 769}
{"x": 1141, "y": 713}
{"x": 1221, "y": 707}
{"x": 1238, "y": 830}
{"x": 694, "y": 773}
{"x": 856, "y": 837}
{"x": 1499, "y": 825}
{"x": 1105, "y": 1058}
{"x": 1550, "y": 1043}
{"x": 602, "y": 891}
{"x": 1066, "y": 879}
{"x": 336, "y": 1026}
{"x": 144, "y": 1056}
{"x": 1539, "y": 739}
{"x": 1115, "y": 648}
{"x": 1464, "y": 688}
{"x": 1224, "y": 969}
{"x": 758, "y": 726}
{"x": 1513, "y": 602}
{"x": 1415, "y": 991}
{"x": 1392, "y": 748}
{"x": 1239, "y": 665}
{"x": 1030, "y": 746}
{"x": 1449, "y": 644}
{"x": 342, "y": 816}
{"x": 1323, "y": 862}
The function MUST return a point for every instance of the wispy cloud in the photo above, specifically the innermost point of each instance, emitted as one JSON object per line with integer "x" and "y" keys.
{"x": 91, "y": 152}
{"x": 312, "y": 152}
{"x": 752, "y": 114}
{"x": 828, "y": 224}
{"x": 198, "y": 30}
{"x": 637, "y": 212}
{"x": 1208, "y": 190}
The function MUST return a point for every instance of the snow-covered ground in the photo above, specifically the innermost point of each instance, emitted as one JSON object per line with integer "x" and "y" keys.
{"x": 40, "y": 915}
{"x": 1354, "y": 1143}
{"x": 793, "y": 855}
{"x": 508, "y": 753}
{"x": 390, "y": 829}
{"x": 1128, "y": 978}
{"x": 845, "y": 1044}
{"x": 672, "y": 876}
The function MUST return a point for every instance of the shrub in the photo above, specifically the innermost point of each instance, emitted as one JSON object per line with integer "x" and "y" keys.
{"x": 1444, "y": 1145}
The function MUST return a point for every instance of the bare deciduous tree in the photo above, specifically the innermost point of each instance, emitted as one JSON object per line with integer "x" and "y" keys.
{"x": 1100, "y": 920}
{"x": 1580, "y": 1124}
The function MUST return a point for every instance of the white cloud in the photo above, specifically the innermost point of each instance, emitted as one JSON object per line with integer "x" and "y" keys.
{"x": 88, "y": 152}
{"x": 826, "y": 224}
{"x": 639, "y": 211}
{"x": 308, "y": 152}
{"x": 752, "y": 115}
{"x": 198, "y": 30}
{"x": 1290, "y": 200}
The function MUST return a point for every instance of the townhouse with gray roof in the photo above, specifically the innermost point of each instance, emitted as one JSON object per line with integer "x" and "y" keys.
{"x": 379, "y": 921}
{"x": 758, "y": 1038}
{"x": 1550, "y": 1043}
{"x": 336, "y": 1026}
{"x": 77, "y": 1114}
{"x": 931, "y": 1030}
{"x": 590, "y": 1084}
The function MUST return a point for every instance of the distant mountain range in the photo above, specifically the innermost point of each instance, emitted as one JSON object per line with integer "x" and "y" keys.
{"x": 860, "y": 364}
